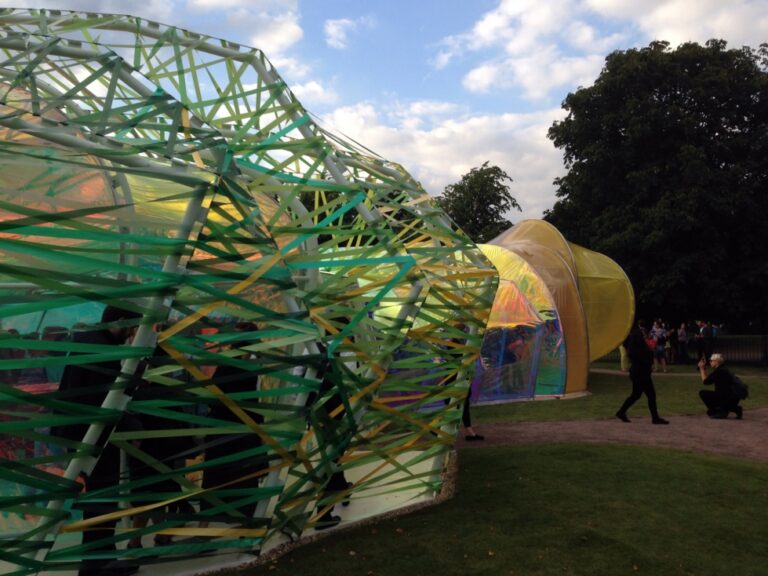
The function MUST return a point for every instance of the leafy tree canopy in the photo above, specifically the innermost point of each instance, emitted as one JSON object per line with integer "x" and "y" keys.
{"x": 667, "y": 159}
{"x": 479, "y": 201}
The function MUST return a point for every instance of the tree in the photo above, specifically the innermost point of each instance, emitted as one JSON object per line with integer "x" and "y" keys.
{"x": 667, "y": 159}
{"x": 479, "y": 201}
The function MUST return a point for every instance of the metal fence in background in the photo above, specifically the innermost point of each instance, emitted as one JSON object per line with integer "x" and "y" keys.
{"x": 738, "y": 349}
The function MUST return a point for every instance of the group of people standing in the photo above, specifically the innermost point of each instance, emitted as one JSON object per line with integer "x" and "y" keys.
{"x": 674, "y": 345}
{"x": 647, "y": 351}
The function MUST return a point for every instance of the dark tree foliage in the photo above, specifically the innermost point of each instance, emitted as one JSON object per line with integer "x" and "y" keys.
{"x": 479, "y": 201}
{"x": 667, "y": 158}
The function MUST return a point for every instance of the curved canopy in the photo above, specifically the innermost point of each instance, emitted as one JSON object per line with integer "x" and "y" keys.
{"x": 608, "y": 300}
{"x": 546, "y": 251}
{"x": 583, "y": 303}
{"x": 523, "y": 335}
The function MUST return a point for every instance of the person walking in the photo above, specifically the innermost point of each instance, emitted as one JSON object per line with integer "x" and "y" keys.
{"x": 641, "y": 363}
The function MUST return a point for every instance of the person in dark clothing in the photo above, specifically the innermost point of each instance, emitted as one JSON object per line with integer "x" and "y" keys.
{"x": 466, "y": 414}
{"x": 641, "y": 364}
{"x": 720, "y": 401}
{"x": 222, "y": 478}
{"x": 167, "y": 450}
{"x": 466, "y": 421}
{"x": 89, "y": 384}
{"x": 332, "y": 430}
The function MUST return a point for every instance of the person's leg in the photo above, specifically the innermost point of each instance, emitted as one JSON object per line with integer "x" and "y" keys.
{"x": 637, "y": 391}
{"x": 466, "y": 421}
{"x": 139, "y": 521}
{"x": 723, "y": 404}
{"x": 650, "y": 394}
{"x": 713, "y": 403}
{"x": 99, "y": 538}
{"x": 336, "y": 483}
{"x": 466, "y": 417}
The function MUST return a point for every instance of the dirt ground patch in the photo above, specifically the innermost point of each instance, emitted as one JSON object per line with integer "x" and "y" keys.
{"x": 737, "y": 438}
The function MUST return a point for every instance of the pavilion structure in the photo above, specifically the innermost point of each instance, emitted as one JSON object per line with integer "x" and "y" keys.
{"x": 176, "y": 176}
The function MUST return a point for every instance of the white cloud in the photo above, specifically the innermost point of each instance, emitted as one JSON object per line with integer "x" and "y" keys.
{"x": 430, "y": 108}
{"x": 314, "y": 93}
{"x": 586, "y": 38}
{"x": 450, "y": 47}
{"x": 271, "y": 25}
{"x": 623, "y": 9}
{"x": 254, "y": 5}
{"x": 289, "y": 68}
{"x": 531, "y": 45}
{"x": 337, "y": 32}
{"x": 740, "y": 22}
{"x": 540, "y": 74}
{"x": 273, "y": 34}
{"x": 539, "y": 46}
{"x": 482, "y": 78}
{"x": 442, "y": 59}
{"x": 157, "y": 10}
{"x": 415, "y": 115}
{"x": 536, "y": 75}
{"x": 440, "y": 154}
{"x": 518, "y": 24}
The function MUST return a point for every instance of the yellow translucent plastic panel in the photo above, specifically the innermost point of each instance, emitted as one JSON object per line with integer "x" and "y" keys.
{"x": 608, "y": 300}
{"x": 537, "y": 232}
{"x": 40, "y": 177}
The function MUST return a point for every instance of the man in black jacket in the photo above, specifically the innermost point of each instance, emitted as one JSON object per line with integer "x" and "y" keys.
{"x": 722, "y": 399}
{"x": 89, "y": 384}
{"x": 641, "y": 363}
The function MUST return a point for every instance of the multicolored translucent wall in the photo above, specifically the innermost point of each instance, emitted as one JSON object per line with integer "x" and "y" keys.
{"x": 176, "y": 176}
{"x": 559, "y": 306}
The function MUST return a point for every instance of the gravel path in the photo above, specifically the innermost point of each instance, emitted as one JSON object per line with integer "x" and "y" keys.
{"x": 747, "y": 438}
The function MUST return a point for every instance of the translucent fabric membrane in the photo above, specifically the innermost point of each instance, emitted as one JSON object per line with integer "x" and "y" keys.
{"x": 558, "y": 307}
{"x": 608, "y": 299}
{"x": 222, "y": 320}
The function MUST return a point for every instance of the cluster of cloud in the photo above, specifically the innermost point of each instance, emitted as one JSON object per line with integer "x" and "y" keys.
{"x": 535, "y": 49}
{"x": 539, "y": 46}
{"x": 531, "y": 46}
{"x": 158, "y": 10}
{"x": 437, "y": 143}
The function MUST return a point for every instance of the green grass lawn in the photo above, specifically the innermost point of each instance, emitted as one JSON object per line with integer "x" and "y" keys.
{"x": 566, "y": 510}
{"x": 571, "y": 509}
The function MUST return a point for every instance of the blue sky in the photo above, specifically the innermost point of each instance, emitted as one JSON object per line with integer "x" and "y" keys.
{"x": 442, "y": 86}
